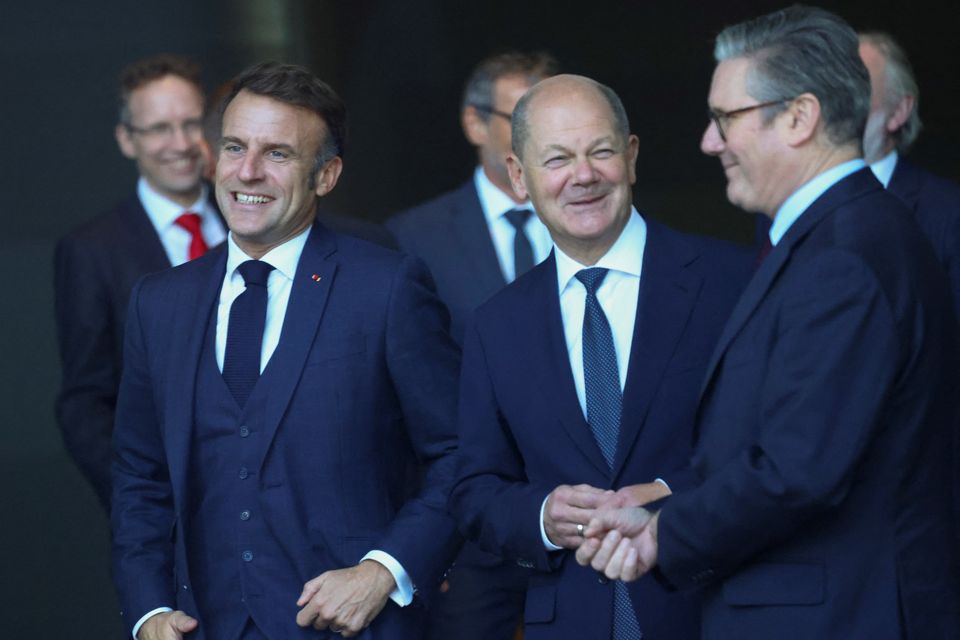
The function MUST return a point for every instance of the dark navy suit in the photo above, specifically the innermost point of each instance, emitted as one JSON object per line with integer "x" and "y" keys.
{"x": 823, "y": 438}
{"x": 311, "y": 473}
{"x": 935, "y": 203}
{"x": 95, "y": 268}
{"x": 523, "y": 432}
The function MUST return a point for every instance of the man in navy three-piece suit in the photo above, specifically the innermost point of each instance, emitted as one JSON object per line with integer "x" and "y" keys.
{"x": 824, "y": 430}
{"x": 580, "y": 378}
{"x": 275, "y": 394}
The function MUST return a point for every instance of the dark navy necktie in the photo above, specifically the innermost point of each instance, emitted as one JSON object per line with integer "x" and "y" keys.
{"x": 522, "y": 249}
{"x": 248, "y": 314}
{"x": 601, "y": 379}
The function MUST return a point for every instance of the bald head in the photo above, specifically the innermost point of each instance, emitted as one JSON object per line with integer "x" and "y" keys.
{"x": 559, "y": 90}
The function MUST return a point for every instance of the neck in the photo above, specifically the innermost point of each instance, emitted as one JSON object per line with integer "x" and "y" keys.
{"x": 589, "y": 252}
{"x": 502, "y": 183}
{"x": 182, "y": 198}
{"x": 826, "y": 159}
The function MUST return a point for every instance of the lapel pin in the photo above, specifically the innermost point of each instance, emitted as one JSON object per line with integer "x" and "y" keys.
{"x": 315, "y": 278}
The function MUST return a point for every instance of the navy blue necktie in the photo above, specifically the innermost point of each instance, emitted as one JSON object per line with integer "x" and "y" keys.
{"x": 601, "y": 378}
{"x": 522, "y": 249}
{"x": 248, "y": 314}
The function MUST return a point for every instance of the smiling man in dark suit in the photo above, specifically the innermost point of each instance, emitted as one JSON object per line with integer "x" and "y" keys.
{"x": 580, "y": 378}
{"x": 275, "y": 394}
{"x": 171, "y": 219}
{"x": 828, "y": 409}
{"x": 475, "y": 239}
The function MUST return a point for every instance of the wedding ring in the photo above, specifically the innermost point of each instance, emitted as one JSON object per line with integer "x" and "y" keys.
{"x": 580, "y": 530}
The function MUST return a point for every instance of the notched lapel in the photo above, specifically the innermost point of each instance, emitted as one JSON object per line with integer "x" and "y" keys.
{"x": 191, "y": 319}
{"x": 470, "y": 227}
{"x": 308, "y": 299}
{"x": 668, "y": 292}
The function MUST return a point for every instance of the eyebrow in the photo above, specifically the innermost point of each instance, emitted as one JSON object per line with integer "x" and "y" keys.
{"x": 269, "y": 147}
{"x": 611, "y": 140}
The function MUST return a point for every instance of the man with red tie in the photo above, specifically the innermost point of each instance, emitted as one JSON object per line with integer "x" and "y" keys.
{"x": 169, "y": 220}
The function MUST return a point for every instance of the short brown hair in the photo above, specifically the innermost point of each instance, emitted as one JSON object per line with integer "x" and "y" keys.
{"x": 478, "y": 91}
{"x": 141, "y": 72}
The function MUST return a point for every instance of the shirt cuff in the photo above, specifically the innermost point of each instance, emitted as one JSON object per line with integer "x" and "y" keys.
{"x": 549, "y": 546}
{"x": 403, "y": 594}
{"x": 146, "y": 616}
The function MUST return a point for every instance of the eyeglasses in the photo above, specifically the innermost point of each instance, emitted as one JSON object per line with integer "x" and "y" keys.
{"x": 166, "y": 130}
{"x": 720, "y": 117}
{"x": 496, "y": 112}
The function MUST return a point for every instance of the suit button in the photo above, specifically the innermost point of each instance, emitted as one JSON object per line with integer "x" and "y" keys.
{"x": 244, "y": 515}
{"x": 244, "y": 473}
{"x": 185, "y": 587}
{"x": 247, "y": 556}
{"x": 603, "y": 579}
{"x": 244, "y": 432}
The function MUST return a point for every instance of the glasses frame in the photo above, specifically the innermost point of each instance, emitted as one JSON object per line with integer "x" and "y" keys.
{"x": 717, "y": 116}
{"x": 482, "y": 108}
{"x": 166, "y": 130}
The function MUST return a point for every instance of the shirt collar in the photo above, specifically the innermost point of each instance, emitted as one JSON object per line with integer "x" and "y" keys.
{"x": 493, "y": 201}
{"x": 284, "y": 258}
{"x": 164, "y": 212}
{"x": 623, "y": 256}
{"x": 884, "y": 167}
{"x": 803, "y": 197}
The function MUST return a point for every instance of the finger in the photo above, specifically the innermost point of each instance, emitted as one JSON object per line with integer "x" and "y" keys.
{"x": 587, "y": 497}
{"x": 614, "y": 568}
{"x": 182, "y": 622}
{"x": 607, "y": 547}
{"x": 588, "y": 549}
{"x": 631, "y": 566}
{"x": 309, "y": 589}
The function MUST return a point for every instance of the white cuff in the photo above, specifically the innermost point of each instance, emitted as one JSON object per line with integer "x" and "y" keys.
{"x": 549, "y": 546}
{"x": 149, "y": 614}
{"x": 403, "y": 594}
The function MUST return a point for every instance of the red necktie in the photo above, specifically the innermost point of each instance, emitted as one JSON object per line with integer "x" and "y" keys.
{"x": 191, "y": 222}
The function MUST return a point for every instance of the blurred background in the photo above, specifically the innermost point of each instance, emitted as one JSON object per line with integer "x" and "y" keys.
{"x": 400, "y": 66}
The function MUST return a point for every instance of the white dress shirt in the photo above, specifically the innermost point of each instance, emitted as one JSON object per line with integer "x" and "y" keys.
{"x": 495, "y": 203}
{"x": 884, "y": 167}
{"x": 617, "y": 296}
{"x": 802, "y": 198}
{"x": 284, "y": 260}
{"x": 163, "y": 214}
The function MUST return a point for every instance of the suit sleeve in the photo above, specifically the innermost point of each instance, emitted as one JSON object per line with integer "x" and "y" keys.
{"x": 493, "y": 501}
{"x": 142, "y": 515}
{"x": 87, "y": 339}
{"x": 424, "y": 364}
{"x": 828, "y": 372}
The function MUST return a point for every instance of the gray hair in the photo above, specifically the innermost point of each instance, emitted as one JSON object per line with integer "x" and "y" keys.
{"x": 900, "y": 83}
{"x": 800, "y": 50}
{"x": 520, "y": 122}
{"x": 478, "y": 91}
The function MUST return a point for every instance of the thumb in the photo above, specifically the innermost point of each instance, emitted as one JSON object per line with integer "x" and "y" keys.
{"x": 309, "y": 590}
{"x": 182, "y": 622}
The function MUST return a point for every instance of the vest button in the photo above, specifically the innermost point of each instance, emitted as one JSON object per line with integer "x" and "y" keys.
{"x": 244, "y": 473}
{"x": 244, "y": 432}
{"x": 244, "y": 515}
{"x": 247, "y": 556}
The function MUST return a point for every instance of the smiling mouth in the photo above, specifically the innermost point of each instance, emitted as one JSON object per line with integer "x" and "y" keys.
{"x": 251, "y": 198}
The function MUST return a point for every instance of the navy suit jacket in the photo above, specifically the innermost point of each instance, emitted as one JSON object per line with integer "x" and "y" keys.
{"x": 451, "y": 235}
{"x": 935, "y": 203}
{"x": 95, "y": 268}
{"x": 365, "y": 382}
{"x": 823, "y": 438}
{"x": 523, "y": 432}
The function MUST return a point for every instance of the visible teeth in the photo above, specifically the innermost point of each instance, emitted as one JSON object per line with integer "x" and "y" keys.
{"x": 245, "y": 198}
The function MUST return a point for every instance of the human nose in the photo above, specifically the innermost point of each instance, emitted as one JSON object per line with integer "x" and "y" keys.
{"x": 250, "y": 169}
{"x": 584, "y": 171}
{"x": 712, "y": 142}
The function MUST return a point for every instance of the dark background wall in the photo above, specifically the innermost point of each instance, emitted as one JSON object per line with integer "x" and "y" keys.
{"x": 400, "y": 67}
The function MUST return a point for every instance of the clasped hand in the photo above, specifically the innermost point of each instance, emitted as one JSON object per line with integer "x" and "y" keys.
{"x": 621, "y": 543}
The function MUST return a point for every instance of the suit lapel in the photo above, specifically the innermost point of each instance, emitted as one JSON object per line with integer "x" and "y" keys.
{"x": 847, "y": 189}
{"x": 557, "y": 378}
{"x": 474, "y": 241}
{"x": 308, "y": 298}
{"x": 145, "y": 239}
{"x": 191, "y": 319}
{"x": 667, "y": 295}
{"x": 905, "y": 183}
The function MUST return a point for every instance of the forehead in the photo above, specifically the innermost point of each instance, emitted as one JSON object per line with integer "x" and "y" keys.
{"x": 251, "y": 116}
{"x": 728, "y": 89}
{"x": 166, "y": 96}
{"x": 507, "y": 90}
{"x": 570, "y": 118}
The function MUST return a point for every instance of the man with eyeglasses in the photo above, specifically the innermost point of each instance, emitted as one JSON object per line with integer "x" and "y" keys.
{"x": 825, "y": 421}
{"x": 476, "y": 239}
{"x": 170, "y": 219}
